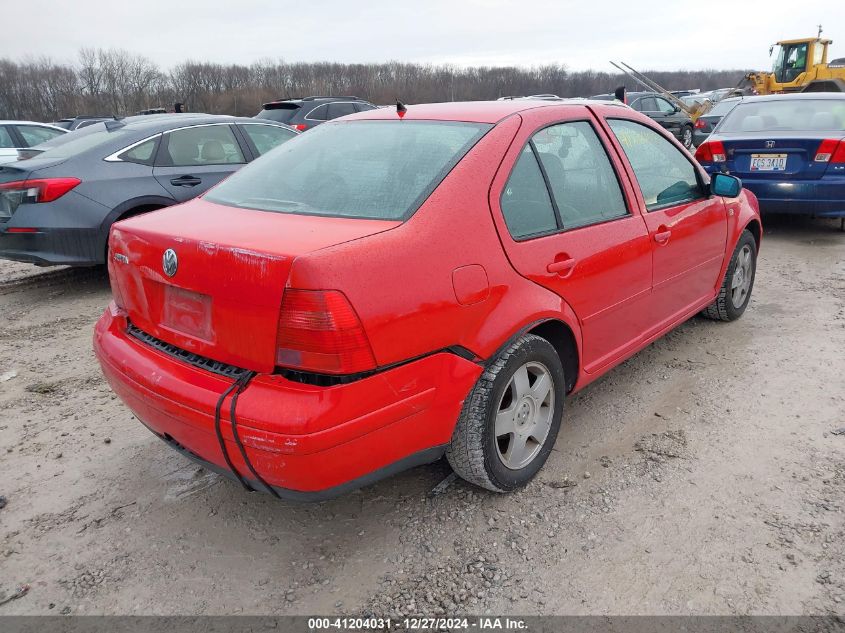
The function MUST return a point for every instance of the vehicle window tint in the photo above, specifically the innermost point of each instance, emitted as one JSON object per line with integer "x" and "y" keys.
{"x": 663, "y": 172}
{"x": 582, "y": 179}
{"x": 143, "y": 154}
{"x": 340, "y": 109}
{"x": 34, "y": 135}
{"x": 525, "y": 201}
{"x": 279, "y": 112}
{"x": 665, "y": 106}
{"x": 266, "y": 137}
{"x": 793, "y": 115}
{"x": 318, "y": 113}
{"x": 363, "y": 107}
{"x": 203, "y": 145}
{"x": 5, "y": 138}
{"x": 647, "y": 104}
{"x": 362, "y": 169}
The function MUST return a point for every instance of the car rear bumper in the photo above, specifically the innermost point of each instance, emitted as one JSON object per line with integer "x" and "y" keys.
{"x": 822, "y": 198}
{"x": 49, "y": 247}
{"x": 307, "y": 442}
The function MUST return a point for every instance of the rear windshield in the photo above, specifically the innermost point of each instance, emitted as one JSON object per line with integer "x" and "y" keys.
{"x": 794, "y": 115}
{"x": 358, "y": 169}
{"x": 723, "y": 107}
{"x": 280, "y": 112}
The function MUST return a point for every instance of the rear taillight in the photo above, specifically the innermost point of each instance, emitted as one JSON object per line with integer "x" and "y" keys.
{"x": 299, "y": 127}
{"x": 831, "y": 150}
{"x": 699, "y": 124}
{"x": 711, "y": 152}
{"x": 35, "y": 190}
{"x": 320, "y": 332}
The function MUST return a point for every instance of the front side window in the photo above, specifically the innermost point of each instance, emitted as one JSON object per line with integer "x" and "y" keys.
{"x": 35, "y": 135}
{"x": 266, "y": 137}
{"x": 647, "y": 104}
{"x": 202, "y": 145}
{"x": 582, "y": 180}
{"x": 360, "y": 169}
{"x": 663, "y": 172}
{"x": 665, "y": 106}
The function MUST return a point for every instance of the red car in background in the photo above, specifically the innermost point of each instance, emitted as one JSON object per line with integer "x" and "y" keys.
{"x": 386, "y": 289}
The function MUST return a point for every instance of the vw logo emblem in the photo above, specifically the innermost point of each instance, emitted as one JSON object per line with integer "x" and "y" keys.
{"x": 169, "y": 262}
{"x": 770, "y": 144}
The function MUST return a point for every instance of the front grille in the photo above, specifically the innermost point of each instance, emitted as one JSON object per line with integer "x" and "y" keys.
{"x": 214, "y": 366}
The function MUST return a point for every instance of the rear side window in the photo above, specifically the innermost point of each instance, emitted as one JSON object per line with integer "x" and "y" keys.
{"x": 665, "y": 175}
{"x": 526, "y": 203}
{"x": 143, "y": 154}
{"x": 664, "y": 106}
{"x": 35, "y": 135}
{"x": 340, "y": 109}
{"x": 363, "y": 107}
{"x": 266, "y": 137}
{"x": 360, "y": 169}
{"x": 319, "y": 113}
{"x": 202, "y": 145}
{"x": 5, "y": 138}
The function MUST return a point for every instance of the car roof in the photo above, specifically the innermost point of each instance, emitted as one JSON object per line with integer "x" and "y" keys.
{"x": 797, "y": 96}
{"x": 152, "y": 123}
{"x": 472, "y": 111}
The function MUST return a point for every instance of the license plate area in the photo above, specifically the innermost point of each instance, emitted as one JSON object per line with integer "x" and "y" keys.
{"x": 187, "y": 312}
{"x": 768, "y": 162}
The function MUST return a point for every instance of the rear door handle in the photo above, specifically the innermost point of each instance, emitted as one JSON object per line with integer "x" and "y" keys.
{"x": 662, "y": 236}
{"x": 185, "y": 181}
{"x": 562, "y": 267}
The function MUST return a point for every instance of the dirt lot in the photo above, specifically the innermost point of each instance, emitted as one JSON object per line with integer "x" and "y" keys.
{"x": 699, "y": 477}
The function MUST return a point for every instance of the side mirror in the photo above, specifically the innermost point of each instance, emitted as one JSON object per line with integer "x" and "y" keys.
{"x": 725, "y": 185}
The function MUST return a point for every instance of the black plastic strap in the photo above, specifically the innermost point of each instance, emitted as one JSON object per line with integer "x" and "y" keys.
{"x": 242, "y": 383}
{"x": 219, "y": 434}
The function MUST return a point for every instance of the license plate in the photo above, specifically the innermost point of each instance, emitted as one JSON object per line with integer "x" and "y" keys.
{"x": 768, "y": 162}
{"x": 187, "y": 312}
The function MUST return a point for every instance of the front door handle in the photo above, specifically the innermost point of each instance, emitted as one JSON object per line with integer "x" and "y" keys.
{"x": 562, "y": 267}
{"x": 662, "y": 236}
{"x": 185, "y": 181}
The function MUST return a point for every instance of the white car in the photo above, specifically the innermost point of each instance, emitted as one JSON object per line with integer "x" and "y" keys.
{"x": 15, "y": 135}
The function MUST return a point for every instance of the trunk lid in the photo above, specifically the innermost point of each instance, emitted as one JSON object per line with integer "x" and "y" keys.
{"x": 222, "y": 300}
{"x": 746, "y": 154}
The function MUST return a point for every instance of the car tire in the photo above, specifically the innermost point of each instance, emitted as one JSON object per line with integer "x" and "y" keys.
{"x": 686, "y": 136}
{"x": 480, "y": 451}
{"x": 735, "y": 293}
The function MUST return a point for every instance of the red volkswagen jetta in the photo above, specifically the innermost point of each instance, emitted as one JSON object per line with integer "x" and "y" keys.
{"x": 386, "y": 289}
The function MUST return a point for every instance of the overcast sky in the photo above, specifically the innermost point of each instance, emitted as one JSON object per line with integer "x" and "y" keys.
{"x": 663, "y": 35}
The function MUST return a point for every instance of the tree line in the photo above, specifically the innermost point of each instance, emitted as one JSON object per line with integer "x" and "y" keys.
{"x": 117, "y": 82}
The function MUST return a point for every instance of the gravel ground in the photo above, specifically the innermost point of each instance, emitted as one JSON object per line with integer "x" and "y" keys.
{"x": 702, "y": 476}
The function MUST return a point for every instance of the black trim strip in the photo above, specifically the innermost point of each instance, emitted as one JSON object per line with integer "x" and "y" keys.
{"x": 202, "y": 362}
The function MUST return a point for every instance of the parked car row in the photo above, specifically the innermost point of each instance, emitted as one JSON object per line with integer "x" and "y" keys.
{"x": 661, "y": 110}
{"x": 585, "y": 232}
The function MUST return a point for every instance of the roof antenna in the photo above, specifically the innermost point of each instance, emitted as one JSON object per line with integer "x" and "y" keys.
{"x": 401, "y": 109}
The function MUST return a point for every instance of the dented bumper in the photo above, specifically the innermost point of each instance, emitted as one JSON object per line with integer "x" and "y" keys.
{"x": 306, "y": 441}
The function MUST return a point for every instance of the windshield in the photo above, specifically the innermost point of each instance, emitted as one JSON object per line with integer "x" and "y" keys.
{"x": 358, "y": 169}
{"x": 793, "y": 115}
{"x": 79, "y": 141}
